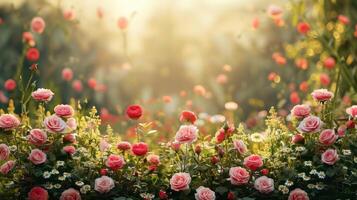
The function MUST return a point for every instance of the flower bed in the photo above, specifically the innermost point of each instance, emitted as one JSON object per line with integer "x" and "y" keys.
{"x": 63, "y": 155}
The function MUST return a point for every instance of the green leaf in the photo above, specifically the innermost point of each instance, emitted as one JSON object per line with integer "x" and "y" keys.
{"x": 221, "y": 190}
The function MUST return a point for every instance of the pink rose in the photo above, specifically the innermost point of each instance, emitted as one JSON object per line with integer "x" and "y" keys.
{"x": 115, "y": 162}
{"x": 352, "y": 111}
{"x": 140, "y": 149}
{"x": 153, "y": 159}
{"x": 70, "y": 194}
{"x": 341, "y": 130}
{"x": 124, "y": 146}
{"x": 264, "y": 184}
{"x": 67, "y": 74}
{"x": 54, "y": 124}
{"x": 298, "y": 194}
{"x": 240, "y": 146}
{"x": 77, "y": 85}
{"x": 327, "y": 137}
{"x": 301, "y": 111}
{"x": 180, "y": 181}
{"x": 38, "y": 25}
{"x": 238, "y": 176}
{"x": 42, "y": 94}
{"x": 69, "y": 149}
{"x": 186, "y": 134}
{"x": 9, "y": 122}
{"x": 37, "y": 157}
{"x": 274, "y": 11}
{"x": 103, "y": 184}
{"x": 10, "y": 85}
{"x": 37, "y": 193}
{"x": 69, "y": 14}
{"x": 4, "y": 152}
{"x": 103, "y": 145}
{"x": 322, "y": 95}
{"x": 253, "y": 162}
{"x": 204, "y": 193}
{"x": 310, "y": 124}
{"x": 330, "y": 156}
{"x": 72, "y": 123}
{"x": 37, "y": 137}
{"x": 64, "y": 111}
{"x": 7, "y": 167}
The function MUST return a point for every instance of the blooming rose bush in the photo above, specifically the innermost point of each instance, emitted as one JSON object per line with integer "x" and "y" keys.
{"x": 63, "y": 155}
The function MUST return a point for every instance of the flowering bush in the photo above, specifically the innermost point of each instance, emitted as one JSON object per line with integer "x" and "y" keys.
{"x": 62, "y": 154}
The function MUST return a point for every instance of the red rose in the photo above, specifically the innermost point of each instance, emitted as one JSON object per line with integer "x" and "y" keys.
{"x": 265, "y": 171}
{"x": 189, "y": 116}
{"x": 163, "y": 195}
{"x": 32, "y": 54}
{"x": 297, "y": 138}
{"x": 134, "y": 112}
{"x": 140, "y": 149}
{"x": 103, "y": 172}
{"x": 303, "y": 27}
{"x": 38, "y": 193}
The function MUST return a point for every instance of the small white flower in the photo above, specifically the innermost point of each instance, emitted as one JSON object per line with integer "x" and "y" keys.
{"x": 313, "y": 171}
{"x": 13, "y": 148}
{"x": 66, "y": 174}
{"x": 306, "y": 178}
{"x": 321, "y": 175}
{"x": 48, "y": 186}
{"x": 311, "y": 186}
{"x": 300, "y": 148}
{"x": 308, "y": 163}
{"x": 46, "y": 174}
{"x": 57, "y": 186}
{"x": 301, "y": 175}
{"x": 79, "y": 183}
{"x": 61, "y": 178}
{"x": 289, "y": 183}
{"x": 319, "y": 186}
{"x": 54, "y": 171}
{"x": 60, "y": 163}
{"x": 355, "y": 159}
{"x": 346, "y": 152}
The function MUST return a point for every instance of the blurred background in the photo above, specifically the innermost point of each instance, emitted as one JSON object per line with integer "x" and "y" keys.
{"x": 166, "y": 55}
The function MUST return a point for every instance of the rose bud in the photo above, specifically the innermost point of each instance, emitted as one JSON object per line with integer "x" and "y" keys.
{"x": 230, "y": 196}
{"x": 198, "y": 149}
{"x": 175, "y": 146}
{"x": 264, "y": 171}
{"x": 220, "y": 152}
{"x": 297, "y": 138}
{"x": 163, "y": 195}
{"x": 341, "y": 130}
{"x": 69, "y": 138}
{"x": 189, "y": 116}
{"x": 103, "y": 172}
{"x": 350, "y": 124}
{"x": 152, "y": 167}
{"x": 214, "y": 160}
